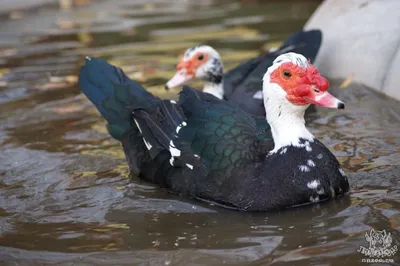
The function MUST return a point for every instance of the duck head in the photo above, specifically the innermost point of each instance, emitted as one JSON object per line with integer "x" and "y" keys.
{"x": 296, "y": 80}
{"x": 290, "y": 86}
{"x": 201, "y": 62}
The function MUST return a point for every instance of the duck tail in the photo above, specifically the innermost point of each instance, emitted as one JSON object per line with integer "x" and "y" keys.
{"x": 113, "y": 94}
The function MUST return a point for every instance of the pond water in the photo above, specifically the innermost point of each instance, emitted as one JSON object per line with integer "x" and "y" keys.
{"x": 66, "y": 196}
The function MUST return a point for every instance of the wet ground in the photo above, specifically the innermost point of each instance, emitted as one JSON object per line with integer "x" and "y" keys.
{"x": 66, "y": 197}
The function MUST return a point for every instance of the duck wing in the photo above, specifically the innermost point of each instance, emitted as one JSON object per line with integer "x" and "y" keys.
{"x": 205, "y": 134}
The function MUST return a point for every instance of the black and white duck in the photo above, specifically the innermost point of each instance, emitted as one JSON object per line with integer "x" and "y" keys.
{"x": 205, "y": 148}
{"x": 242, "y": 85}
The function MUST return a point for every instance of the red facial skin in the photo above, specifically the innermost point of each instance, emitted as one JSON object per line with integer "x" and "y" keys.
{"x": 193, "y": 63}
{"x": 302, "y": 85}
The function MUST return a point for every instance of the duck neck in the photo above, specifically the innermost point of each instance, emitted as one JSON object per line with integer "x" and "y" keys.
{"x": 214, "y": 88}
{"x": 214, "y": 78}
{"x": 286, "y": 120}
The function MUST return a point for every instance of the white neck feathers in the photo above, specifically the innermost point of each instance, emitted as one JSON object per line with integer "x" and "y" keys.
{"x": 286, "y": 119}
{"x": 216, "y": 89}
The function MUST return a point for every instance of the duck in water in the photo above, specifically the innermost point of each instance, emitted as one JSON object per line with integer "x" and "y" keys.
{"x": 205, "y": 148}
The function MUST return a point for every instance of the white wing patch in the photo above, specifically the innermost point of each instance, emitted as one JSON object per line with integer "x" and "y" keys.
{"x": 183, "y": 124}
{"x": 310, "y": 163}
{"x": 307, "y": 146}
{"x": 313, "y": 184}
{"x": 137, "y": 124}
{"x": 174, "y": 152}
{"x": 283, "y": 151}
{"x": 342, "y": 171}
{"x": 258, "y": 95}
{"x": 304, "y": 168}
{"x": 148, "y": 145}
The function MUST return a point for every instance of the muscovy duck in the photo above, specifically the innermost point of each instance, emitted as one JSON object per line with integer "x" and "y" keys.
{"x": 242, "y": 85}
{"x": 205, "y": 148}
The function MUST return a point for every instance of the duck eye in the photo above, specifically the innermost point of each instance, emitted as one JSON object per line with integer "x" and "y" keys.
{"x": 316, "y": 90}
{"x": 287, "y": 73}
{"x": 200, "y": 57}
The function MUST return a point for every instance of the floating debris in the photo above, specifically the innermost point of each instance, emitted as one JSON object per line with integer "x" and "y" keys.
{"x": 346, "y": 82}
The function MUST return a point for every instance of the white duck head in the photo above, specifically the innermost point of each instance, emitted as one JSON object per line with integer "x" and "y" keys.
{"x": 201, "y": 62}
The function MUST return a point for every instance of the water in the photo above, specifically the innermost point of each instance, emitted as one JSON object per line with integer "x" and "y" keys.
{"x": 66, "y": 197}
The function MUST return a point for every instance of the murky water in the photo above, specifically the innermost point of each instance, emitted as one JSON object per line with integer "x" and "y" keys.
{"x": 65, "y": 193}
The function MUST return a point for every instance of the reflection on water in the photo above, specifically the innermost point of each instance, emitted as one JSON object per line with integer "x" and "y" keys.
{"x": 66, "y": 196}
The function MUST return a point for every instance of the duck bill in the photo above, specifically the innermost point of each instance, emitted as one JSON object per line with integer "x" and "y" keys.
{"x": 180, "y": 78}
{"x": 325, "y": 99}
